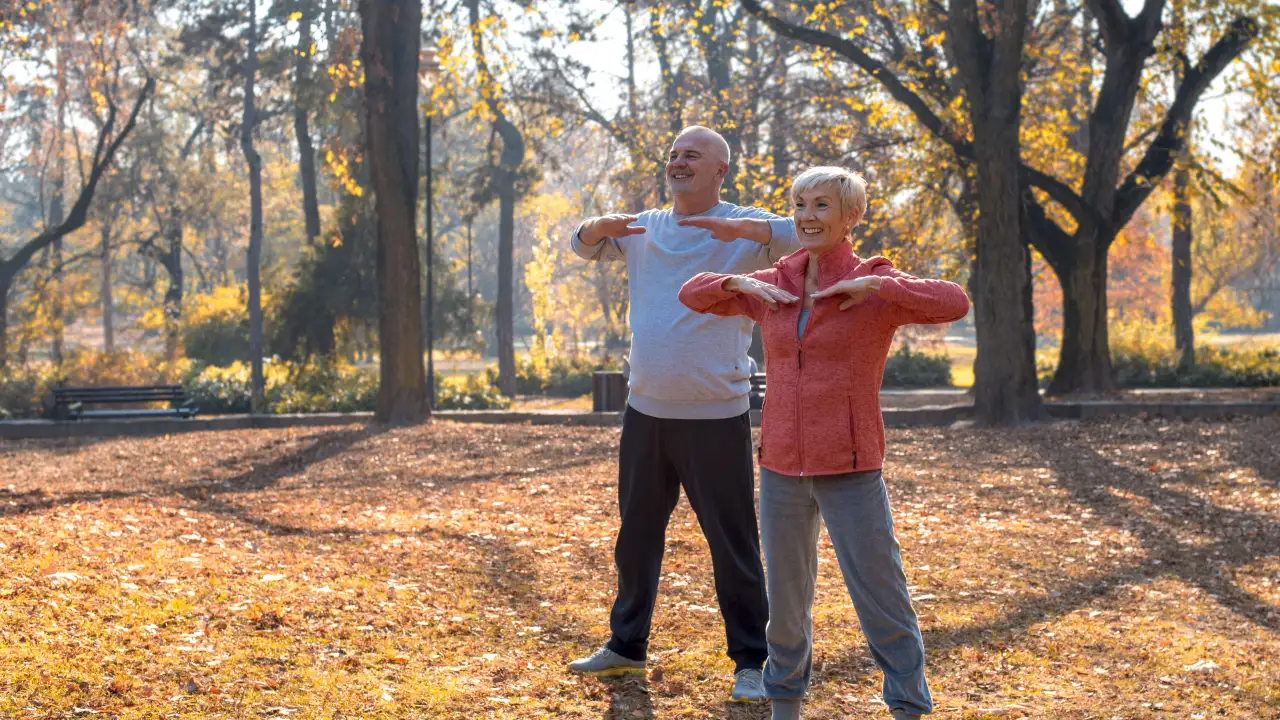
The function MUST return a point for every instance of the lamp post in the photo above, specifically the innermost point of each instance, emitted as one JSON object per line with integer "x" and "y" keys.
{"x": 430, "y": 66}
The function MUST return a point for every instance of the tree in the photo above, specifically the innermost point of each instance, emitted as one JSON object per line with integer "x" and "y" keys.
{"x": 1005, "y": 391}
{"x": 1184, "y": 337}
{"x": 1071, "y": 228}
{"x": 104, "y": 151}
{"x": 248, "y": 124}
{"x": 1104, "y": 203}
{"x": 389, "y": 52}
{"x": 989, "y": 67}
{"x": 504, "y": 177}
{"x": 302, "y": 91}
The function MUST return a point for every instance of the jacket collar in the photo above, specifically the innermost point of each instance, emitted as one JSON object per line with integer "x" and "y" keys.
{"x": 833, "y": 265}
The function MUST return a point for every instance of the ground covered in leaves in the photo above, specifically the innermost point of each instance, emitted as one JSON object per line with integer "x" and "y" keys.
{"x": 1121, "y": 570}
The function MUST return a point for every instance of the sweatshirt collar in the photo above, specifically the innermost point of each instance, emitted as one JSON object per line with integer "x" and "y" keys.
{"x": 833, "y": 264}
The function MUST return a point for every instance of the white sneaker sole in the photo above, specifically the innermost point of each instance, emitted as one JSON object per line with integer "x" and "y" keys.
{"x": 611, "y": 672}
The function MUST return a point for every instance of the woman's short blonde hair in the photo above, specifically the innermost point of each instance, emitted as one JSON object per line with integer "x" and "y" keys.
{"x": 850, "y": 187}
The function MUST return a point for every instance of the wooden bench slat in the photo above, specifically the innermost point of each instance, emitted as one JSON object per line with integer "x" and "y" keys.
{"x": 172, "y": 412}
{"x": 117, "y": 388}
{"x": 70, "y": 402}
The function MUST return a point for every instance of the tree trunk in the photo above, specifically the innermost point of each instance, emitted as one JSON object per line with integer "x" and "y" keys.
{"x": 1183, "y": 330}
{"x": 57, "y": 311}
{"x": 248, "y": 124}
{"x": 509, "y": 163}
{"x": 301, "y": 128}
{"x": 4, "y": 322}
{"x": 727, "y": 112}
{"x": 505, "y": 311}
{"x": 671, "y": 79}
{"x": 1084, "y": 362}
{"x": 1005, "y": 388}
{"x": 1005, "y": 391}
{"x": 173, "y": 296}
{"x": 57, "y": 212}
{"x": 778, "y": 133}
{"x": 108, "y": 301}
{"x": 389, "y": 50}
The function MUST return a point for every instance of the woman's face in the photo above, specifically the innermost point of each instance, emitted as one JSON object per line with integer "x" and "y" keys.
{"x": 820, "y": 223}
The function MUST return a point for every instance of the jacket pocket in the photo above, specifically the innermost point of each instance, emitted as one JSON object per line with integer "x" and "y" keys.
{"x": 853, "y": 432}
{"x": 759, "y": 443}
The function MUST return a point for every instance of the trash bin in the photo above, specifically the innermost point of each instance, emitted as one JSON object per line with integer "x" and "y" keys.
{"x": 608, "y": 391}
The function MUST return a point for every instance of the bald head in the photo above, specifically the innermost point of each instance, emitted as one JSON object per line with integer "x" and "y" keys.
{"x": 713, "y": 141}
{"x": 696, "y": 168}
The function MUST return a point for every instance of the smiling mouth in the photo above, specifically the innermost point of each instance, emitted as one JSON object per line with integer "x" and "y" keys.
{"x": 681, "y": 176}
{"x": 811, "y": 231}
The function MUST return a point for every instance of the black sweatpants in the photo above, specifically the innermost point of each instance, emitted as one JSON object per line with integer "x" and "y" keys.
{"x": 712, "y": 460}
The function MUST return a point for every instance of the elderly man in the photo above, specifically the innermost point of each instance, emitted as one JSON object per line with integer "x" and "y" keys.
{"x": 687, "y": 421}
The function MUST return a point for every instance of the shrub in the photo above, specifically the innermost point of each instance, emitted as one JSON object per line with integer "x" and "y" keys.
{"x": 907, "y": 369}
{"x": 223, "y": 390}
{"x": 328, "y": 386}
{"x": 1215, "y": 367}
{"x": 22, "y": 391}
{"x": 475, "y": 391}
{"x": 325, "y": 386}
{"x": 215, "y": 326}
{"x": 1144, "y": 357}
{"x": 557, "y": 376}
{"x": 88, "y": 368}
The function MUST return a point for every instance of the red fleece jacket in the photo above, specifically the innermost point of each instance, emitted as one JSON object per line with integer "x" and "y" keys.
{"x": 822, "y": 406}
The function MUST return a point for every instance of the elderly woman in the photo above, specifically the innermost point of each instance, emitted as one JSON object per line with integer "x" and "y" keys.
{"x": 828, "y": 319}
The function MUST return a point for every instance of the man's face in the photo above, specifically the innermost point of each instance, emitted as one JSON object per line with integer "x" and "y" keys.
{"x": 693, "y": 165}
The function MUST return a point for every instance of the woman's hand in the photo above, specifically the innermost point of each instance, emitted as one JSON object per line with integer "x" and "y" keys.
{"x": 768, "y": 294}
{"x": 858, "y": 289}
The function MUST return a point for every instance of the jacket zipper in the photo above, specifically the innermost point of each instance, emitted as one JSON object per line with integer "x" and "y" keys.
{"x": 799, "y": 395}
{"x": 800, "y": 374}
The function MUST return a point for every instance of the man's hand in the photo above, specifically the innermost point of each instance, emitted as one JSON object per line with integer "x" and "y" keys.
{"x": 858, "y": 289}
{"x": 595, "y": 230}
{"x": 730, "y": 229}
{"x": 768, "y": 294}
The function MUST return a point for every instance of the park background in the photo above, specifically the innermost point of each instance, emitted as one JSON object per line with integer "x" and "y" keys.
{"x": 189, "y": 190}
{"x": 151, "y": 283}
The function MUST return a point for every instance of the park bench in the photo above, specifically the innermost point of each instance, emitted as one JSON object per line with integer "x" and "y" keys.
{"x": 757, "y": 391}
{"x": 69, "y": 402}
{"x": 609, "y": 391}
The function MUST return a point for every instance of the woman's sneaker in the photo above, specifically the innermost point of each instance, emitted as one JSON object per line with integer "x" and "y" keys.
{"x": 606, "y": 663}
{"x": 748, "y": 686}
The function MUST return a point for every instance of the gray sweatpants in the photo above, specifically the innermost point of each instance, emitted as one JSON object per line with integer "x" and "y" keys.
{"x": 855, "y": 508}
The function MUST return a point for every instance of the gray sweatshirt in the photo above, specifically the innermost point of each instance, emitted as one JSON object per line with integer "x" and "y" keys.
{"x": 684, "y": 364}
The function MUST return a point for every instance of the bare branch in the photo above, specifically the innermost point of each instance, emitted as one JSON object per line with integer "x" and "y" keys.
{"x": 1113, "y": 21}
{"x": 103, "y": 157}
{"x": 894, "y": 85}
{"x": 1172, "y": 137}
{"x": 1060, "y": 192}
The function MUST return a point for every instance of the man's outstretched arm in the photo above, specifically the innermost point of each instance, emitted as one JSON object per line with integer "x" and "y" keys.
{"x": 597, "y": 238}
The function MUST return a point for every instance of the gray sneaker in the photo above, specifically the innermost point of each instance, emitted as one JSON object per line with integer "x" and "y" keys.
{"x": 905, "y": 715}
{"x": 606, "y": 663}
{"x": 748, "y": 686}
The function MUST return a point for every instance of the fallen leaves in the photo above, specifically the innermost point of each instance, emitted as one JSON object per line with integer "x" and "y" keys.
{"x": 423, "y": 571}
